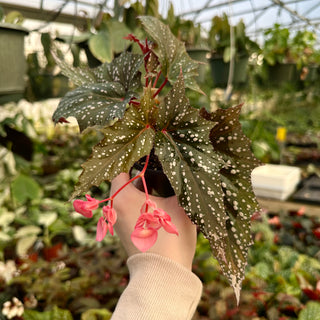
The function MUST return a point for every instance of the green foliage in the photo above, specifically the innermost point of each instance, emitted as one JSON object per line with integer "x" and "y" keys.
{"x": 109, "y": 40}
{"x": 171, "y": 53}
{"x": 206, "y": 157}
{"x": 117, "y": 152}
{"x": 104, "y": 93}
{"x": 262, "y": 133}
{"x": 281, "y": 46}
{"x": 53, "y": 314}
{"x": 24, "y": 188}
{"x": 220, "y": 39}
{"x": 279, "y": 282}
{"x": 276, "y": 45}
{"x": 186, "y": 30}
{"x": 53, "y": 262}
{"x": 43, "y": 82}
{"x": 12, "y": 17}
{"x": 96, "y": 314}
{"x": 311, "y": 312}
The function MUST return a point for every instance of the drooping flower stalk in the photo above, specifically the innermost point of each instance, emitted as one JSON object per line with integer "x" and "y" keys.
{"x": 145, "y": 232}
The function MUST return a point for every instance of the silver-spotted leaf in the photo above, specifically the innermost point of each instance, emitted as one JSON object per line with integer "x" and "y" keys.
{"x": 94, "y": 104}
{"x": 193, "y": 168}
{"x": 123, "y": 69}
{"x": 229, "y": 141}
{"x": 78, "y": 76}
{"x": 171, "y": 53}
{"x": 123, "y": 144}
{"x": 104, "y": 98}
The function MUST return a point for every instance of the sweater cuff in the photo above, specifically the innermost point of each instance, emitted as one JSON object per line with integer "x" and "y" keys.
{"x": 159, "y": 288}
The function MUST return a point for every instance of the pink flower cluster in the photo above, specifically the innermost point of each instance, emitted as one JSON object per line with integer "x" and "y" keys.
{"x": 105, "y": 223}
{"x": 145, "y": 232}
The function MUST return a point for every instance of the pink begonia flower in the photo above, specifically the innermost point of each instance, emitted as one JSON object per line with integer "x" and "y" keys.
{"x": 102, "y": 229}
{"x": 146, "y": 229}
{"x": 144, "y": 239}
{"x": 110, "y": 214}
{"x": 86, "y": 207}
{"x": 148, "y": 204}
{"x": 111, "y": 217}
{"x": 165, "y": 221}
{"x": 148, "y": 220}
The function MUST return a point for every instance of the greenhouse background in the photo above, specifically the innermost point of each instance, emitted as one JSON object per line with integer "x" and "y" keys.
{"x": 262, "y": 53}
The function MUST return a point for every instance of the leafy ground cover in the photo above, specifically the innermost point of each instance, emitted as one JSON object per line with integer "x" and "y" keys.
{"x": 282, "y": 279}
{"x": 52, "y": 268}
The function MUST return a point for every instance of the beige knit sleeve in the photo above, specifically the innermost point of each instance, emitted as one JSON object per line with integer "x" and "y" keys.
{"x": 159, "y": 289}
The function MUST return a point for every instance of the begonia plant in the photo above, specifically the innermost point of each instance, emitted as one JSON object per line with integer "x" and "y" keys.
{"x": 205, "y": 156}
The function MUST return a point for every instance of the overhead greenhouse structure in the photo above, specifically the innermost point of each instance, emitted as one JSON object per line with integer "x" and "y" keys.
{"x": 160, "y": 159}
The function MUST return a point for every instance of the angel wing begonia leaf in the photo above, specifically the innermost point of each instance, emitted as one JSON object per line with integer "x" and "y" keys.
{"x": 211, "y": 196}
{"x": 123, "y": 69}
{"x": 171, "y": 53}
{"x": 104, "y": 98}
{"x": 193, "y": 168}
{"x": 228, "y": 139}
{"x": 123, "y": 144}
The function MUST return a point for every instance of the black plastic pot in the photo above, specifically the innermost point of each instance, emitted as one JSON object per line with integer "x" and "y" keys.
{"x": 46, "y": 86}
{"x": 282, "y": 73}
{"x": 12, "y": 62}
{"x": 220, "y": 71}
{"x": 313, "y": 73}
{"x": 157, "y": 182}
{"x": 199, "y": 54}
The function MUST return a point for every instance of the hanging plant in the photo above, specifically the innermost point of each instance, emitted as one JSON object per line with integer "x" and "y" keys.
{"x": 205, "y": 156}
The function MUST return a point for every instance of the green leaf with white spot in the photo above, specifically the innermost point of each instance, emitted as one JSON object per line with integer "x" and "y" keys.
{"x": 123, "y": 69}
{"x": 229, "y": 141}
{"x": 193, "y": 168}
{"x": 211, "y": 181}
{"x": 103, "y": 99}
{"x": 78, "y": 76}
{"x": 171, "y": 53}
{"x": 124, "y": 143}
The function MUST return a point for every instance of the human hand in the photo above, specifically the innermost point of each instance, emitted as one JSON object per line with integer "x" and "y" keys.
{"x": 127, "y": 204}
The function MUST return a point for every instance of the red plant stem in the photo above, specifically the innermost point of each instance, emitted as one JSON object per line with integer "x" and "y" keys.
{"x": 140, "y": 175}
{"x": 156, "y": 80}
{"x": 145, "y": 187}
{"x": 135, "y": 103}
{"x": 161, "y": 87}
{"x": 144, "y": 181}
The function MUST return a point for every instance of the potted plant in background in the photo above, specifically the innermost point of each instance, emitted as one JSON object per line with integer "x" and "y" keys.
{"x": 205, "y": 156}
{"x": 191, "y": 35}
{"x": 306, "y": 55}
{"x": 45, "y": 81}
{"x": 102, "y": 39}
{"x": 285, "y": 55}
{"x": 12, "y": 59}
{"x": 102, "y": 42}
{"x": 223, "y": 51}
